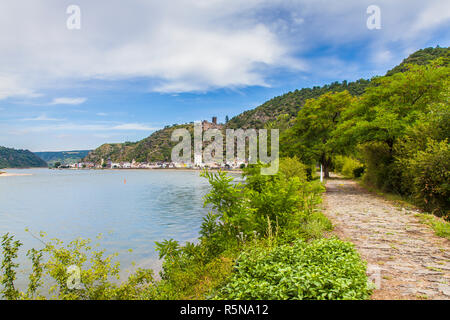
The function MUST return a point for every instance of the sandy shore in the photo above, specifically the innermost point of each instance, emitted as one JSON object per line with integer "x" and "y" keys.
{"x": 6, "y": 174}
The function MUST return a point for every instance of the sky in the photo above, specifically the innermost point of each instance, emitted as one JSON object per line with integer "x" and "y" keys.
{"x": 135, "y": 66}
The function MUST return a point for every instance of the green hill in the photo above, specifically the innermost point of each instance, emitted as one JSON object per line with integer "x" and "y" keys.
{"x": 64, "y": 157}
{"x": 12, "y": 158}
{"x": 157, "y": 147}
{"x": 290, "y": 103}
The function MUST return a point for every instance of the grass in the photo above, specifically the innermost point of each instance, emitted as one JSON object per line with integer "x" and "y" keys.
{"x": 439, "y": 225}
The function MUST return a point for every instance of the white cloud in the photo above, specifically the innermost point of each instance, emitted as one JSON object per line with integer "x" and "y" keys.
{"x": 10, "y": 87}
{"x": 69, "y": 101}
{"x": 434, "y": 15}
{"x": 95, "y": 127}
{"x": 196, "y": 45}
{"x": 179, "y": 46}
{"x": 382, "y": 56}
{"x": 42, "y": 118}
{"x": 101, "y": 114}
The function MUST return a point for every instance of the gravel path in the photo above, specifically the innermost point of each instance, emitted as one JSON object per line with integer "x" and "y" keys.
{"x": 405, "y": 259}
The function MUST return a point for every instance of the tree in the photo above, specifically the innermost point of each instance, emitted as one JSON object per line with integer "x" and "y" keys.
{"x": 227, "y": 119}
{"x": 379, "y": 120}
{"x": 392, "y": 104}
{"x": 310, "y": 136}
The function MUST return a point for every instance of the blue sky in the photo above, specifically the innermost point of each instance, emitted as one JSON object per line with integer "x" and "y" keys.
{"x": 134, "y": 68}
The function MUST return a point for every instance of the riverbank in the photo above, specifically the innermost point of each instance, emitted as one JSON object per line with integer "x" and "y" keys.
{"x": 6, "y": 174}
{"x": 154, "y": 169}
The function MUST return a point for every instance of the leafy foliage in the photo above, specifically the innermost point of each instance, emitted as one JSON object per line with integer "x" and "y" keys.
{"x": 323, "y": 269}
{"x": 310, "y": 136}
{"x": 265, "y": 211}
{"x": 430, "y": 172}
{"x": 348, "y": 166}
{"x": 399, "y": 127}
{"x": 99, "y": 275}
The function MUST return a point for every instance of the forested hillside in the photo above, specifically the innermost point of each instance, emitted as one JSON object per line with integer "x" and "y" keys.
{"x": 156, "y": 147}
{"x": 290, "y": 103}
{"x": 63, "y": 157}
{"x": 11, "y": 158}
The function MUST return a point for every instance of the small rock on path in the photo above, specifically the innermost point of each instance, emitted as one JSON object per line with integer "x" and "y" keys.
{"x": 405, "y": 259}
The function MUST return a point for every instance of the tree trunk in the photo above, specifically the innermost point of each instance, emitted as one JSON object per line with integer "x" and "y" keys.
{"x": 325, "y": 166}
{"x": 326, "y": 172}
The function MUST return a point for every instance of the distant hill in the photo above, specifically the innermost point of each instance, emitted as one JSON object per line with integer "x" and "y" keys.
{"x": 157, "y": 147}
{"x": 12, "y": 158}
{"x": 64, "y": 157}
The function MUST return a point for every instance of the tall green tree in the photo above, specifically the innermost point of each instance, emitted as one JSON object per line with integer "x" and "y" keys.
{"x": 310, "y": 138}
{"x": 380, "y": 118}
{"x": 392, "y": 104}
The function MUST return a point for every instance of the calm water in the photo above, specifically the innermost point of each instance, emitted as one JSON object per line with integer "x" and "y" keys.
{"x": 131, "y": 208}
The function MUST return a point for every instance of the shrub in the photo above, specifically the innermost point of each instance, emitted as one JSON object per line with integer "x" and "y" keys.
{"x": 98, "y": 274}
{"x": 347, "y": 166}
{"x": 381, "y": 171}
{"x": 292, "y": 167}
{"x": 350, "y": 165}
{"x": 322, "y": 269}
{"x": 359, "y": 171}
{"x": 430, "y": 170}
{"x": 338, "y": 163}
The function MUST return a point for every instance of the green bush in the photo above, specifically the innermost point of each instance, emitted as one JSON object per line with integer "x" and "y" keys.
{"x": 348, "y": 167}
{"x": 98, "y": 274}
{"x": 430, "y": 170}
{"x": 292, "y": 167}
{"x": 322, "y": 269}
{"x": 358, "y": 171}
{"x": 381, "y": 171}
{"x": 338, "y": 163}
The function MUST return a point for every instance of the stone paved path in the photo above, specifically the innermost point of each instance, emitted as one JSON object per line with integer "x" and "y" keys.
{"x": 405, "y": 258}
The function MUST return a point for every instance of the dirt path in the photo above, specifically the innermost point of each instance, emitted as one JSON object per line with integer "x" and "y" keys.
{"x": 404, "y": 257}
